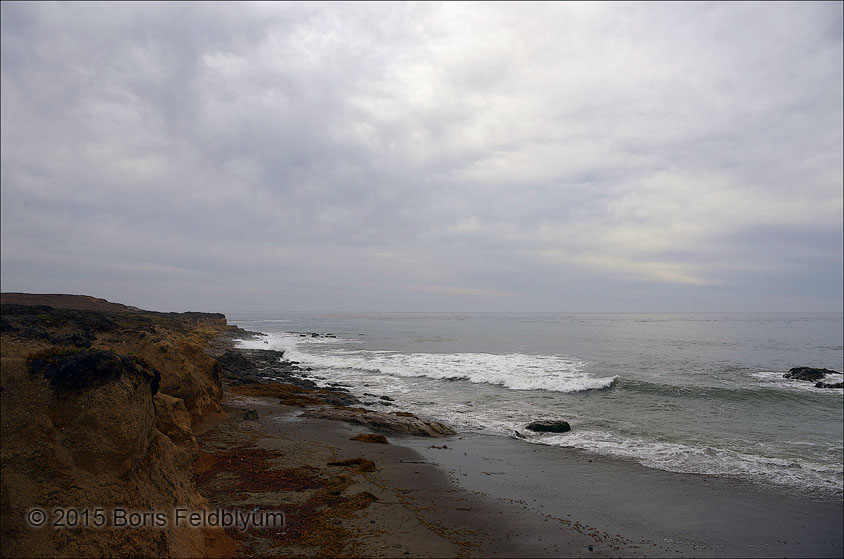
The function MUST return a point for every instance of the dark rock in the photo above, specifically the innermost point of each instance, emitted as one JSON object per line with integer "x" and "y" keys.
{"x": 338, "y": 388}
{"x": 238, "y": 380}
{"x": 387, "y": 398}
{"x": 829, "y": 385}
{"x": 808, "y": 373}
{"x": 362, "y": 464}
{"x": 549, "y": 426}
{"x": 235, "y": 361}
{"x": 381, "y": 421}
{"x": 370, "y": 438}
{"x": 250, "y": 415}
{"x": 337, "y": 399}
{"x": 303, "y": 382}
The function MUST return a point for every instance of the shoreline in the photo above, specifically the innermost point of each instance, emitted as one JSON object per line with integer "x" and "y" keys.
{"x": 107, "y": 406}
{"x": 694, "y": 514}
{"x": 617, "y": 507}
{"x": 417, "y": 510}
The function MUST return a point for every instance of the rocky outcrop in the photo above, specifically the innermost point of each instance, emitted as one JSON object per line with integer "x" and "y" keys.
{"x": 549, "y": 426}
{"x": 295, "y": 395}
{"x": 829, "y": 385}
{"x": 97, "y": 406}
{"x": 189, "y": 374}
{"x": 808, "y": 373}
{"x": 172, "y": 418}
{"x": 100, "y": 408}
{"x": 235, "y": 362}
{"x": 172, "y": 343}
{"x": 370, "y": 438}
{"x": 93, "y": 445}
{"x": 403, "y": 423}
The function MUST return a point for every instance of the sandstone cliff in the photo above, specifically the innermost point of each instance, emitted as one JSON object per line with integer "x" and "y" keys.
{"x": 98, "y": 402}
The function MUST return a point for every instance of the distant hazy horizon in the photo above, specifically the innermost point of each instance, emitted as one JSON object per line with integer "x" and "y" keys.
{"x": 435, "y": 157}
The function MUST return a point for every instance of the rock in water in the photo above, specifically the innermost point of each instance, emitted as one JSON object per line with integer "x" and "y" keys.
{"x": 549, "y": 426}
{"x": 808, "y": 373}
{"x": 250, "y": 415}
{"x": 829, "y": 385}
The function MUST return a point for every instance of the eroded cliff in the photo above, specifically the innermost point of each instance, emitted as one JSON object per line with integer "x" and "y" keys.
{"x": 98, "y": 403}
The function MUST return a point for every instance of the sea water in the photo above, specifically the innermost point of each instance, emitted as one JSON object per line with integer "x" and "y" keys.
{"x": 695, "y": 393}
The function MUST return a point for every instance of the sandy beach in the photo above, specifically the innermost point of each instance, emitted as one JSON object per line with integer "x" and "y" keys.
{"x": 417, "y": 510}
{"x": 490, "y": 496}
{"x": 695, "y": 515}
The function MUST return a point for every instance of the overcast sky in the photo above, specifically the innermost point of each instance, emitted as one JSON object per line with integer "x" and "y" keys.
{"x": 426, "y": 157}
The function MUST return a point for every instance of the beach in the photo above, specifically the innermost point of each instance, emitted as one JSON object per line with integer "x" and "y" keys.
{"x": 488, "y": 496}
{"x": 694, "y": 515}
{"x": 482, "y": 495}
{"x": 416, "y": 509}
{"x": 553, "y": 496}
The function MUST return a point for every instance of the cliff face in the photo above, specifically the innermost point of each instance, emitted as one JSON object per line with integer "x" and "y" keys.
{"x": 97, "y": 409}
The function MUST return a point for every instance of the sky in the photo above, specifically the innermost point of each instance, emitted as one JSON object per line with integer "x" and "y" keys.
{"x": 559, "y": 157}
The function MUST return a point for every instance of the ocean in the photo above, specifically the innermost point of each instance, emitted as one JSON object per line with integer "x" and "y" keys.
{"x": 694, "y": 393}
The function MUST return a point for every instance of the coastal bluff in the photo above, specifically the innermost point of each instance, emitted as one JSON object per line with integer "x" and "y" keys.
{"x": 99, "y": 403}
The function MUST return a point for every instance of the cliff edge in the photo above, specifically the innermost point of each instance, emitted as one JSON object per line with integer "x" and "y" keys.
{"x": 99, "y": 401}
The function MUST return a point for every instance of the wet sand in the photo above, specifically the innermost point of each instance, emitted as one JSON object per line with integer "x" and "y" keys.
{"x": 697, "y": 515}
{"x": 492, "y": 496}
{"x": 417, "y": 512}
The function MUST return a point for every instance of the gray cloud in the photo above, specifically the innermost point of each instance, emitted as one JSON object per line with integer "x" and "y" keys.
{"x": 425, "y": 157}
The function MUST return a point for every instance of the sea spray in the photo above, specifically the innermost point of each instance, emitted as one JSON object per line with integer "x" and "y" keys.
{"x": 686, "y": 393}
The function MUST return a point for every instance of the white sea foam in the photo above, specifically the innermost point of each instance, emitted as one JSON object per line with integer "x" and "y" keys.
{"x": 277, "y": 342}
{"x": 771, "y": 379}
{"x": 411, "y": 378}
{"x": 675, "y": 457}
{"x": 515, "y": 371}
{"x": 286, "y": 341}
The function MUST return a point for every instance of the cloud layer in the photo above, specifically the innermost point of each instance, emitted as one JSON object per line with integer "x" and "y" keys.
{"x": 561, "y": 157}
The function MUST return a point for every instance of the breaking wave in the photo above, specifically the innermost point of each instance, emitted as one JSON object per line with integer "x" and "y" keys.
{"x": 515, "y": 371}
